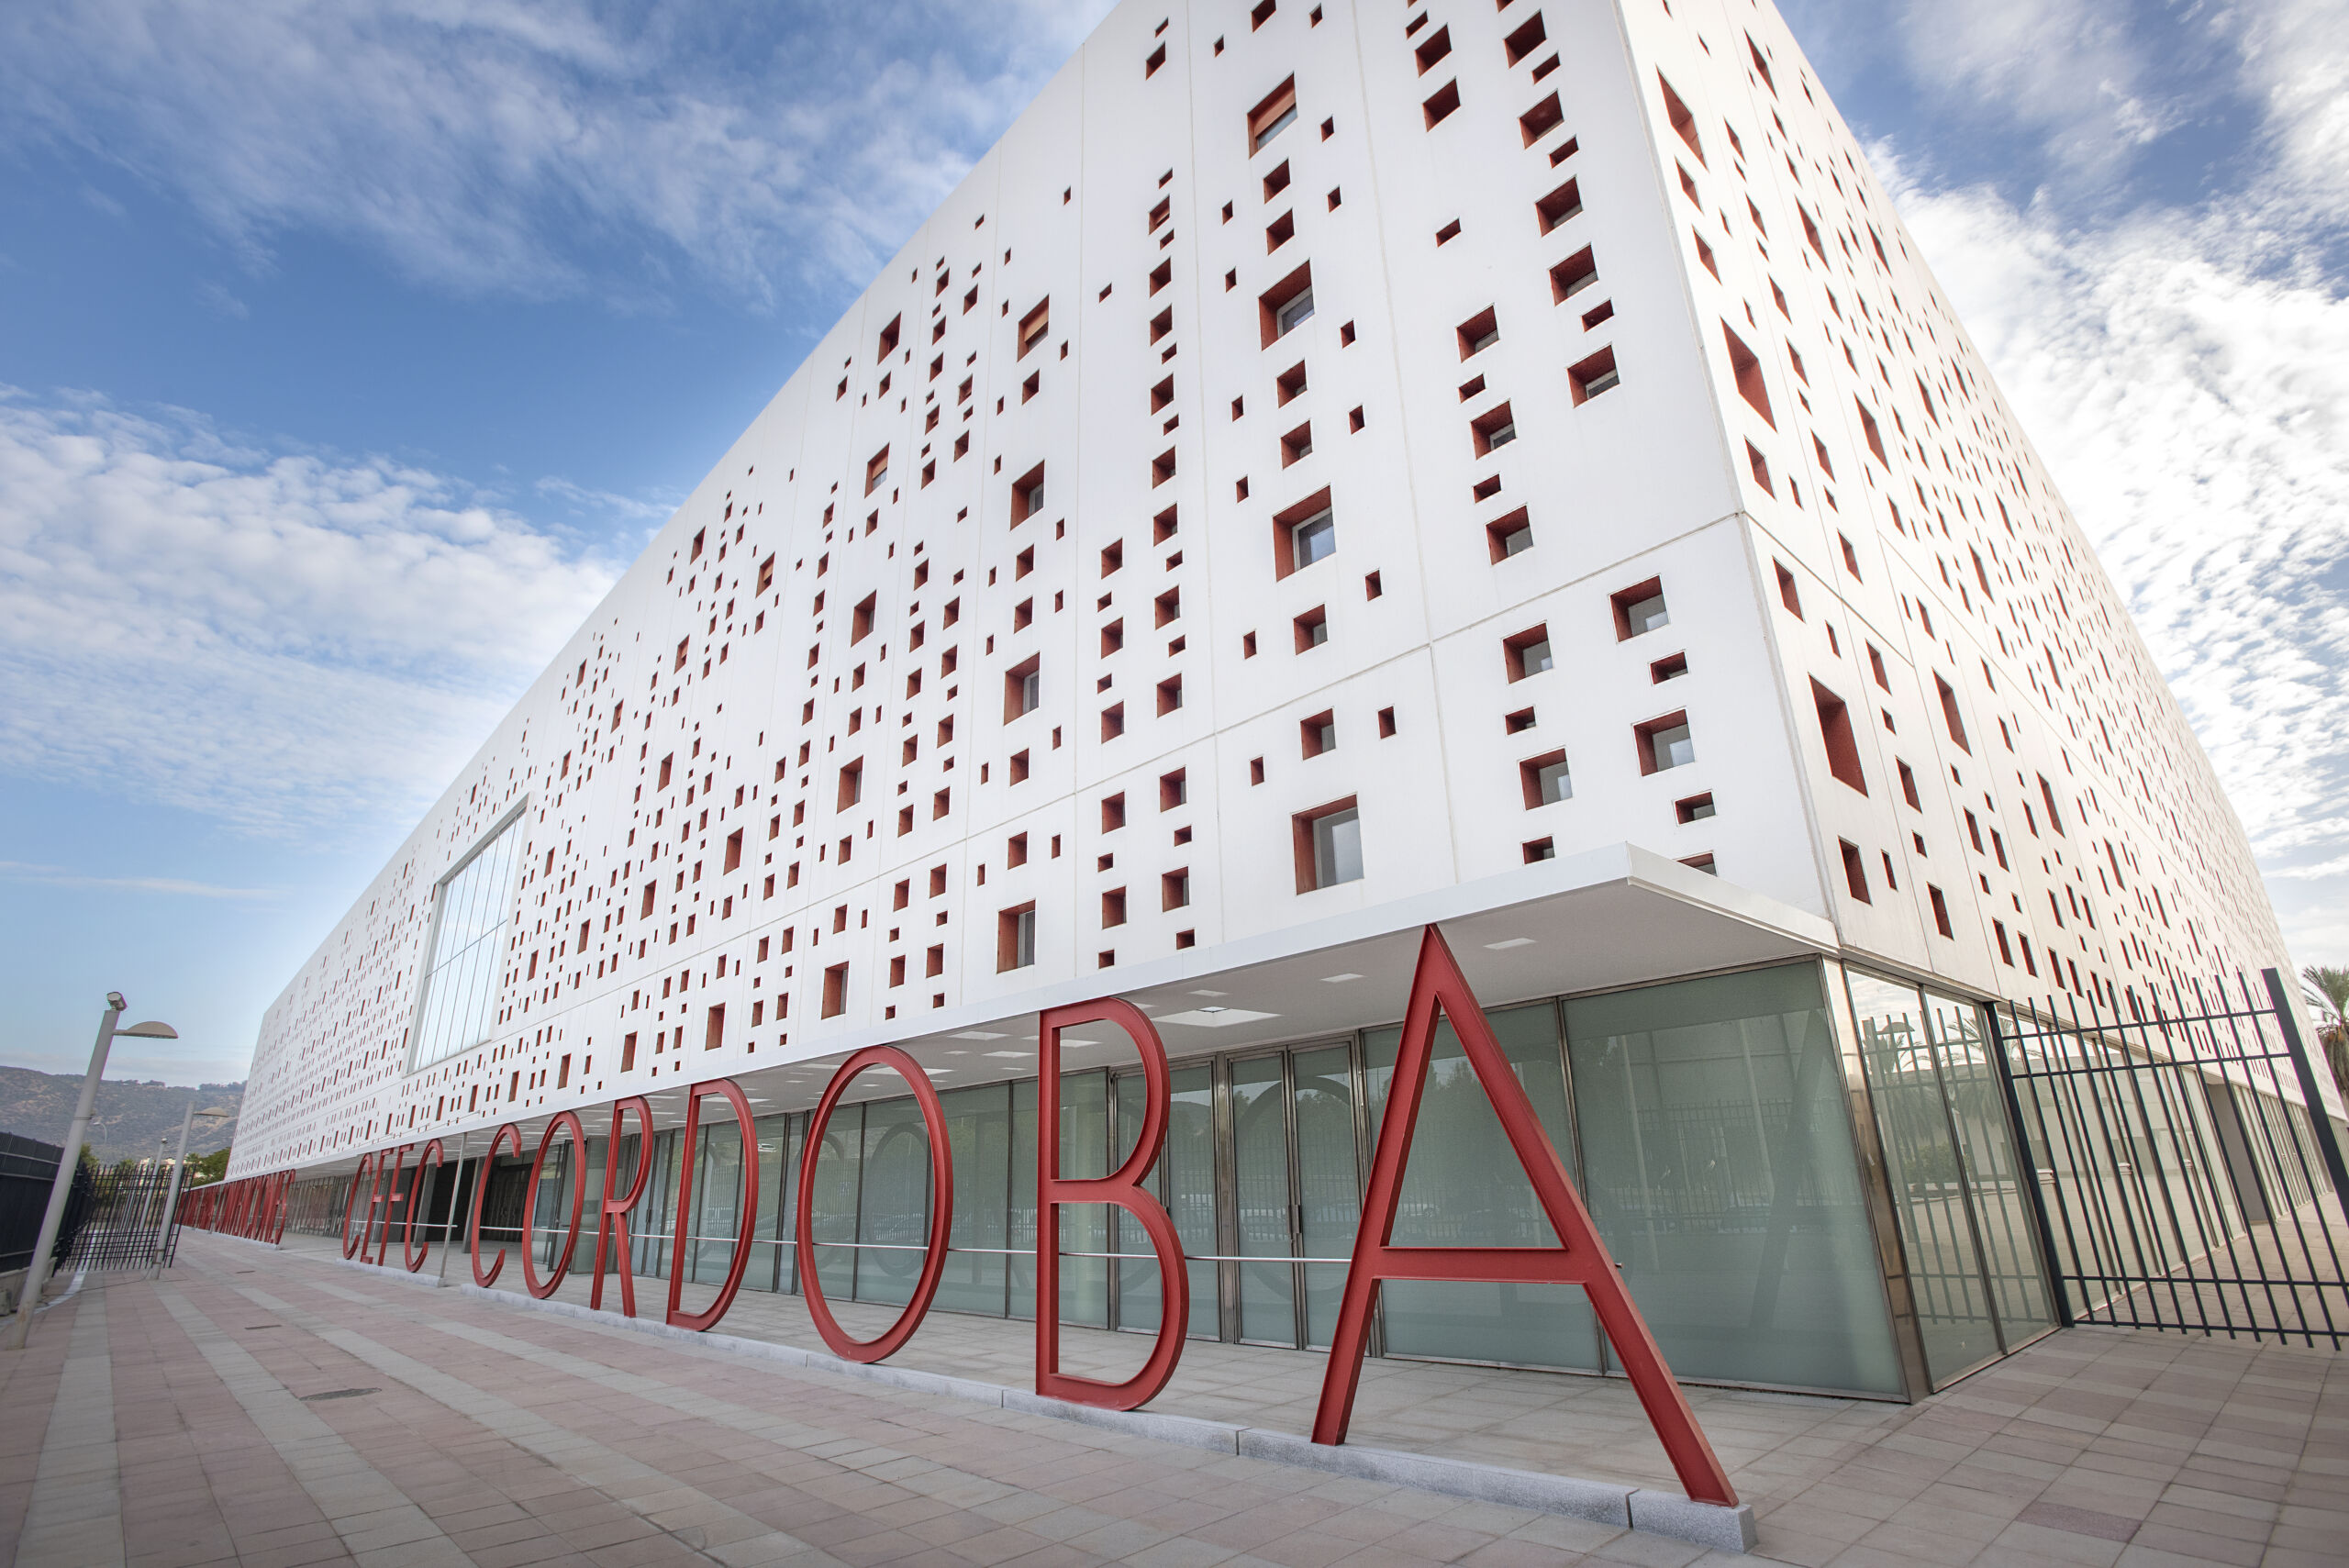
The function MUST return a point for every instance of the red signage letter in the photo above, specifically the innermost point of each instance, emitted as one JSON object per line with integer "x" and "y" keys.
{"x": 942, "y": 1185}
{"x": 1582, "y": 1259}
{"x": 387, "y": 1193}
{"x": 1121, "y": 1188}
{"x": 366, "y": 1173}
{"x": 701, "y": 1321}
{"x": 614, "y": 1215}
{"x": 481, "y": 1191}
{"x": 566, "y": 1122}
{"x": 410, "y": 1253}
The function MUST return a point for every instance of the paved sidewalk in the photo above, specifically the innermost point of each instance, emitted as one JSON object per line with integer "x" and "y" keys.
{"x": 265, "y": 1408}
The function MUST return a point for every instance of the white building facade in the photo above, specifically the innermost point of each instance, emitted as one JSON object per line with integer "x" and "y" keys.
{"x": 1331, "y": 468}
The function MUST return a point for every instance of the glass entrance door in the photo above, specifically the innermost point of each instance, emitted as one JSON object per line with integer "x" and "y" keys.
{"x": 1296, "y": 1180}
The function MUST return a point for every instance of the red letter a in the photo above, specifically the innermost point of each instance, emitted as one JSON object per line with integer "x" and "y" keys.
{"x": 1580, "y": 1261}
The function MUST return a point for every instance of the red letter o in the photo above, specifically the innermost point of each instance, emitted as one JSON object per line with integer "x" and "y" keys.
{"x": 941, "y": 1177}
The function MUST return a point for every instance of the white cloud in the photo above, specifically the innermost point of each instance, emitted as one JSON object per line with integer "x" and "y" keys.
{"x": 61, "y": 876}
{"x": 2295, "y": 57}
{"x": 2070, "y": 70}
{"x": 543, "y": 150}
{"x": 287, "y": 642}
{"x": 585, "y": 502}
{"x": 2192, "y": 397}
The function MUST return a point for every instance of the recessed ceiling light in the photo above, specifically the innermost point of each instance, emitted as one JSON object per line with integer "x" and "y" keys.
{"x": 1512, "y": 942}
{"x": 1012, "y": 1053}
{"x": 1338, "y": 979}
{"x": 1215, "y": 1017}
{"x": 1210, "y": 993}
{"x": 978, "y": 1034}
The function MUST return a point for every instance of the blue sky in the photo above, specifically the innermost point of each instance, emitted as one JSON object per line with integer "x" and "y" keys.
{"x": 347, "y": 352}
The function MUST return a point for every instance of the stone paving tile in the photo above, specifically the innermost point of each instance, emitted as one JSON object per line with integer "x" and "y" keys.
{"x": 497, "y": 1437}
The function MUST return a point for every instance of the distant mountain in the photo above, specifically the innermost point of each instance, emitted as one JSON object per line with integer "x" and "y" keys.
{"x": 129, "y": 1117}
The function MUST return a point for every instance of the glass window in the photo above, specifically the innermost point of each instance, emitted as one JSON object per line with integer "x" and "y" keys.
{"x": 1085, "y": 1227}
{"x": 1261, "y": 1177}
{"x": 460, "y": 981}
{"x": 1648, "y": 614}
{"x": 1463, "y": 1187}
{"x": 1337, "y": 847}
{"x": 1313, "y": 539}
{"x": 1295, "y": 312}
{"x": 1273, "y": 127}
{"x": 894, "y": 1201}
{"x": 1928, "y": 1182}
{"x": 1719, "y": 1167}
{"x": 1993, "y": 1173}
{"x": 1184, "y": 1180}
{"x": 834, "y": 1220}
{"x": 978, "y": 1128}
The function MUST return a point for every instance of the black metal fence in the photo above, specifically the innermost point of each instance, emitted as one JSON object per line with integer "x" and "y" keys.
{"x": 28, "y": 1167}
{"x": 114, "y": 1217}
{"x": 2186, "y": 1176}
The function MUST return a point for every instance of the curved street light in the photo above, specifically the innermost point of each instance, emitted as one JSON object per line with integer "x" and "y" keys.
{"x": 36, "y": 1270}
{"x": 179, "y": 1171}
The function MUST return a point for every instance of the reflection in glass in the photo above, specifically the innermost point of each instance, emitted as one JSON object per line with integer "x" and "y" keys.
{"x": 1260, "y": 1155}
{"x": 978, "y": 1129}
{"x": 2001, "y": 1219}
{"x": 1085, "y": 1227}
{"x": 1463, "y": 1186}
{"x": 1329, "y": 1186}
{"x": 1921, "y": 1163}
{"x": 717, "y": 1198}
{"x": 839, "y": 1163}
{"x": 1719, "y": 1170}
{"x": 893, "y": 1208}
{"x": 460, "y": 981}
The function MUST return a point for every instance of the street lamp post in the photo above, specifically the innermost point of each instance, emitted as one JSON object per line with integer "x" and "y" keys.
{"x": 179, "y": 1170}
{"x": 36, "y": 1270}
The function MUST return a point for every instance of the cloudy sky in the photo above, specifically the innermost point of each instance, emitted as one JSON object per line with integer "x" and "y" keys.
{"x": 348, "y": 352}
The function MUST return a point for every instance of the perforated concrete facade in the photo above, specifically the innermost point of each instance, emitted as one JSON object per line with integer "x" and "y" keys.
{"x": 779, "y": 796}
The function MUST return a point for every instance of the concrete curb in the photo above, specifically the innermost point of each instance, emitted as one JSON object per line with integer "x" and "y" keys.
{"x": 1638, "y": 1508}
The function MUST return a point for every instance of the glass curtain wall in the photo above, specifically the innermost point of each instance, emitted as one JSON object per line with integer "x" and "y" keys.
{"x": 1949, "y": 1156}
{"x": 1719, "y": 1167}
{"x": 1462, "y": 1188}
{"x": 1706, "y": 1123}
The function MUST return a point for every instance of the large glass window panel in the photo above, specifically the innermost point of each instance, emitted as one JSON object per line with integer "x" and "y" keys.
{"x": 1994, "y": 1174}
{"x": 770, "y": 1267}
{"x": 1184, "y": 1180}
{"x": 1719, "y": 1167}
{"x": 978, "y": 1128}
{"x": 1465, "y": 1187}
{"x": 1134, "y": 1279}
{"x": 459, "y": 1005}
{"x": 718, "y": 1202}
{"x": 1927, "y": 1180}
{"x": 1085, "y": 1227}
{"x": 1022, "y": 1292}
{"x": 1329, "y": 1183}
{"x": 893, "y": 1206}
{"x": 1260, "y": 1168}
{"x": 839, "y": 1163}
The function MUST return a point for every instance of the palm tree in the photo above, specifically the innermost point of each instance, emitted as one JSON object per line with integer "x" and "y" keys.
{"x": 2328, "y": 993}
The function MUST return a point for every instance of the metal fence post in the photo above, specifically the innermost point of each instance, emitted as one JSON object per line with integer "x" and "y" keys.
{"x": 2320, "y": 1124}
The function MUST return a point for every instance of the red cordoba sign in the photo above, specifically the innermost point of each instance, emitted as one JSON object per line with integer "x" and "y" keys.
{"x": 1438, "y": 986}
